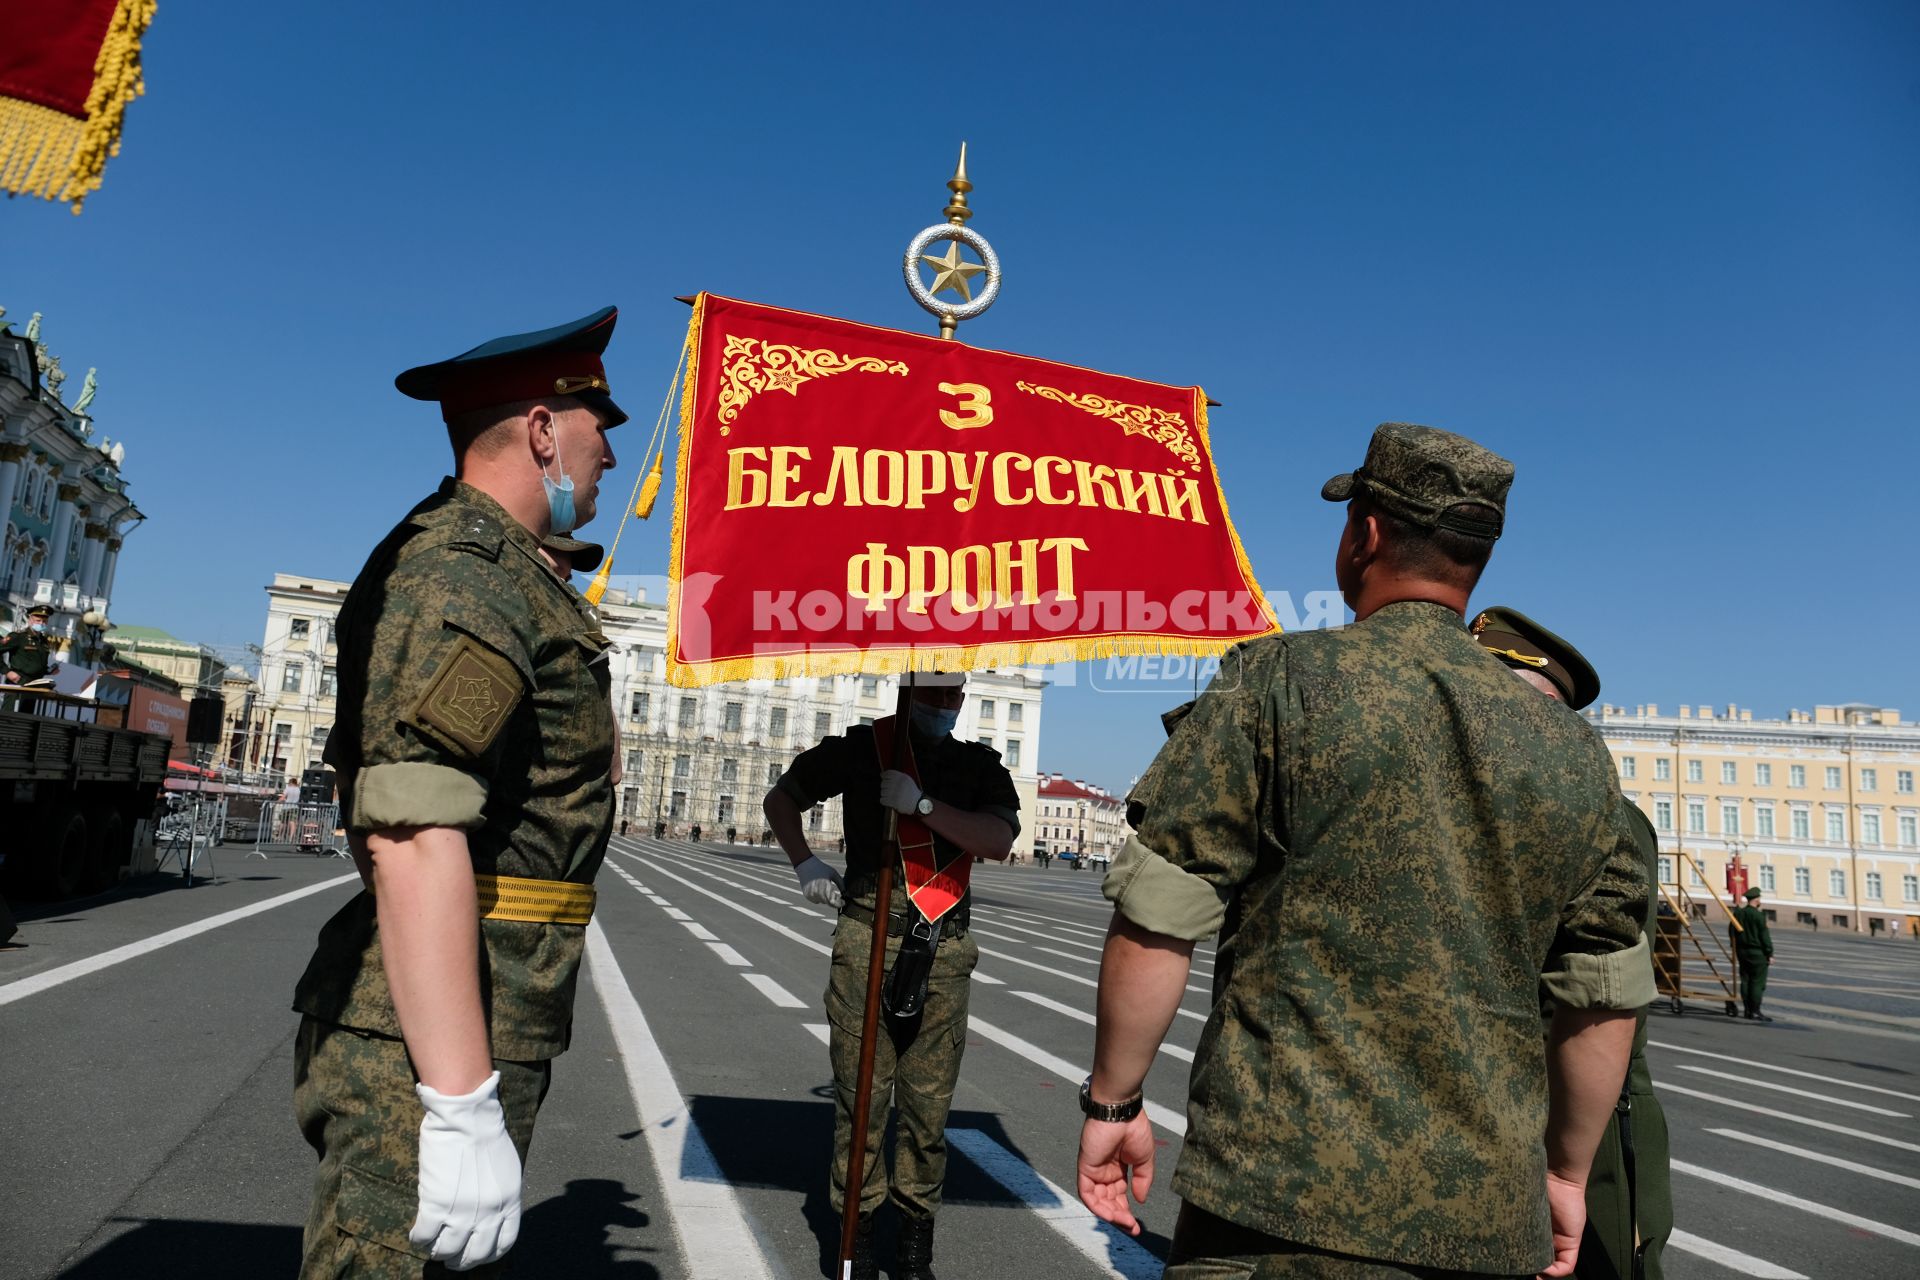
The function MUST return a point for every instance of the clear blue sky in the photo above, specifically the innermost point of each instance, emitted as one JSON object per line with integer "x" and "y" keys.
{"x": 1662, "y": 256}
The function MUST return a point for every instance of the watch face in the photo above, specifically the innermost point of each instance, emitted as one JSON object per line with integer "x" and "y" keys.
{"x": 925, "y": 806}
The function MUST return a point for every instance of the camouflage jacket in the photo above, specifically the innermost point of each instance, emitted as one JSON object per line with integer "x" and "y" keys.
{"x": 473, "y": 693}
{"x": 1399, "y": 844}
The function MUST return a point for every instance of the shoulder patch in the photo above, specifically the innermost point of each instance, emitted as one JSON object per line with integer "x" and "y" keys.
{"x": 471, "y": 697}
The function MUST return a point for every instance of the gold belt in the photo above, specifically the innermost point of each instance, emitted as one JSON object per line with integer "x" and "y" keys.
{"x": 534, "y": 901}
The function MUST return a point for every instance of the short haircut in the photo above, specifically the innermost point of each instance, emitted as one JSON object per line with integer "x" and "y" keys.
{"x": 1438, "y": 555}
{"x": 488, "y": 431}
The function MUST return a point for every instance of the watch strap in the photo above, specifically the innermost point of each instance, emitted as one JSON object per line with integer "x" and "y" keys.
{"x": 1110, "y": 1112}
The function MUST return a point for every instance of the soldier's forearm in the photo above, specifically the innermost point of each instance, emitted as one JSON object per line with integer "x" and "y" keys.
{"x": 1142, "y": 978}
{"x": 430, "y": 947}
{"x": 1587, "y": 1052}
{"x": 783, "y": 818}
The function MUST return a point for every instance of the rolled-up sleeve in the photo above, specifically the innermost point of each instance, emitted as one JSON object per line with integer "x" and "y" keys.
{"x": 1601, "y": 957}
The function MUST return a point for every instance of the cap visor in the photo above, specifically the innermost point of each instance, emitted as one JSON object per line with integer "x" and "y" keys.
{"x": 602, "y": 403}
{"x": 1338, "y": 489}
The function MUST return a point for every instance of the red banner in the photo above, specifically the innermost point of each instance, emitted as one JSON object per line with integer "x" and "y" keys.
{"x": 860, "y": 499}
{"x": 68, "y": 69}
{"x": 934, "y": 885}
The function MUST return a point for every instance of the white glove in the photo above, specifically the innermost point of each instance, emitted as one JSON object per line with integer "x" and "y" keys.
{"x": 469, "y": 1178}
{"x": 820, "y": 882}
{"x": 899, "y": 792}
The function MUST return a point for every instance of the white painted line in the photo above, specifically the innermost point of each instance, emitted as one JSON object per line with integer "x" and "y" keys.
{"x": 1112, "y": 1251}
{"x": 774, "y": 991}
{"x": 1820, "y": 1156}
{"x": 1065, "y": 955}
{"x": 999, "y": 923}
{"x": 1752, "y": 1083}
{"x": 1033, "y": 1053}
{"x": 715, "y": 1241}
{"x": 1081, "y": 1015}
{"x": 1071, "y": 977}
{"x": 821, "y": 1031}
{"x": 988, "y": 979}
{"x": 1785, "y": 1071}
{"x": 21, "y": 988}
{"x": 1755, "y": 1109}
{"x": 699, "y": 931}
{"x": 1795, "y": 1202}
{"x": 677, "y": 914}
{"x": 1743, "y": 1263}
{"x": 731, "y": 956}
{"x": 748, "y": 912}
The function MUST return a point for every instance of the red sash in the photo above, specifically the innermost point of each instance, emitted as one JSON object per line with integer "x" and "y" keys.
{"x": 933, "y": 886}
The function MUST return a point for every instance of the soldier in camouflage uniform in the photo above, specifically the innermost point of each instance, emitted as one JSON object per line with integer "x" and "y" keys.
{"x": 1398, "y": 844}
{"x": 966, "y": 797}
{"x": 1630, "y": 1187}
{"x": 473, "y": 746}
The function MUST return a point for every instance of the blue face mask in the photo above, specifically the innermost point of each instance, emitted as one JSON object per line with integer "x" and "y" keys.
{"x": 559, "y": 496}
{"x": 934, "y": 722}
{"x": 36, "y": 626}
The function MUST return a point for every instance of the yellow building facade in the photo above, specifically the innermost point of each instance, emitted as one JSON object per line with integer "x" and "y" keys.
{"x": 1821, "y": 808}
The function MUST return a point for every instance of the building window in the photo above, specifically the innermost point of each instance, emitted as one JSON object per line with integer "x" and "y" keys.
{"x": 1870, "y": 828}
{"x": 682, "y": 766}
{"x": 639, "y": 706}
{"x": 1763, "y": 775}
{"x": 1729, "y": 819}
{"x": 1766, "y": 877}
{"x": 677, "y": 805}
{"x": 1763, "y": 820}
{"x": 1693, "y": 875}
{"x": 822, "y": 724}
{"x": 1697, "y": 817}
{"x": 329, "y": 682}
{"x": 813, "y": 817}
{"x": 1627, "y": 768}
{"x": 1666, "y": 868}
{"x": 1903, "y": 782}
{"x": 1833, "y": 778}
{"x": 292, "y": 678}
{"x": 1729, "y": 772}
{"x": 1869, "y": 779}
{"x": 1013, "y": 712}
{"x": 636, "y": 759}
{"x": 1013, "y": 753}
{"x": 869, "y": 686}
{"x": 629, "y": 802}
{"x": 1910, "y": 888}
{"x": 1663, "y": 814}
{"x": 689, "y": 708}
{"x": 297, "y": 629}
{"x": 777, "y": 724}
{"x": 986, "y": 708}
{"x": 1796, "y": 775}
{"x": 1802, "y": 825}
{"x": 730, "y": 717}
{"x": 1873, "y": 886}
{"x": 1694, "y": 772}
{"x": 1909, "y": 830}
{"x": 725, "y": 813}
{"x": 729, "y": 771}
{"x": 1836, "y": 884}
{"x": 1662, "y": 770}
{"x": 1802, "y": 881}
{"x": 1836, "y": 827}
{"x": 773, "y": 774}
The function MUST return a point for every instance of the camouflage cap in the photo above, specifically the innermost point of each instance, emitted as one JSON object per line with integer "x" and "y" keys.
{"x": 1525, "y": 645}
{"x": 583, "y": 557}
{"x": 1422, "y": 473}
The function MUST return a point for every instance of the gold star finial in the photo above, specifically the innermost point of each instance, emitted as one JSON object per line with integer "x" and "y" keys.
{"x": 952, "y": 271}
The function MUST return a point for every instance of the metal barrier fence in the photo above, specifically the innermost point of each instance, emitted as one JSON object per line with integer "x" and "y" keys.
{"x": 312, "y": 828}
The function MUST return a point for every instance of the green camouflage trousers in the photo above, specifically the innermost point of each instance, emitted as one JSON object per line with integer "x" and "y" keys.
{"x": 1207, "y": 1247}
{"x": 353, "y": 1097}
{"x": 1753, "y": 978}
{"x": 917, "y": 1065}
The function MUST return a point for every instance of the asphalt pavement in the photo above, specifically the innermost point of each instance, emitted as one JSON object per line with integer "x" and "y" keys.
{"x": 146, "y": 1067}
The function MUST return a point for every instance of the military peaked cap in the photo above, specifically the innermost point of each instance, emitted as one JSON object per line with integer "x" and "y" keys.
{"x": 1753, "y": 893}
{"x": 583, "y": 557}
{"x": 563, "y": 361}
{"x": 40, "y": 611}
{"x": 1422, "y": 474}
{"x": 1524, "y": 644}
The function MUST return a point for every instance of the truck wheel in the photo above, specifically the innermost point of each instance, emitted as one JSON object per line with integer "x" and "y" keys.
{"x": 112, "y": 847}
{"x": 66, "y": 852}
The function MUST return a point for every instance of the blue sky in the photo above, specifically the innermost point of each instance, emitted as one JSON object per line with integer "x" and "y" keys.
{"x": 1663, "y": 257}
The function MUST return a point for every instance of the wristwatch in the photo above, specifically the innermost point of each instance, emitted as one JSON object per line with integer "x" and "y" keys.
{"x": 924, "y": 805}
{"x": 1111, "y": 1112}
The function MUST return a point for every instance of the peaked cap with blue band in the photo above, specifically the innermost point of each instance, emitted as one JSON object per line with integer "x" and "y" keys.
{"x": 561, "y": 361}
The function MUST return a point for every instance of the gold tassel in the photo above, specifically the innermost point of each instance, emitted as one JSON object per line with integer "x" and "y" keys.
{"x": 598, "y": 587}
{"x": 650, "y": 489}
{"x": 50, "y": 154}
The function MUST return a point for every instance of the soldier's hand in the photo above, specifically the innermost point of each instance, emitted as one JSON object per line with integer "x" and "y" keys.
{"x": 1112, "y": 1156}
{"x": 1567, "y": 1203}
{"x": 898, "y": 792}
{"x": 469, "y": 1178}
{"x": 820, "y": 882}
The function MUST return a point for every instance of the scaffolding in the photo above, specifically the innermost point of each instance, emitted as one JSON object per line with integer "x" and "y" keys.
{"x": 1681, "y": 956}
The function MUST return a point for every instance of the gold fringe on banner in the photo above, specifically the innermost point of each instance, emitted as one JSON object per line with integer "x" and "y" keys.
{"x": 879, "y": 662}
{"x": 55, "y": 156}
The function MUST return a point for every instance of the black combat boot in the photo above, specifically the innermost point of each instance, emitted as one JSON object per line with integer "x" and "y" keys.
{"x": 863, "y": 1264}
{"x": 1759, "y": 1016}
{"x": 913, "y": 1256}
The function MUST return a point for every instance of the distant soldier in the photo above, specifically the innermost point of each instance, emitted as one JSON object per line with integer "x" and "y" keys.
{"x": 1753, "y": 950}
{"x": 1630, "y": 1188}
{"x": 473, "y": 746}
{"x": 29, "y": 651}
{"x": 966, "y": 798}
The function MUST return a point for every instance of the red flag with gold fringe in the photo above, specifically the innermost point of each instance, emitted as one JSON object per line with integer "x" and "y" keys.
{"x": 68, "y": 69}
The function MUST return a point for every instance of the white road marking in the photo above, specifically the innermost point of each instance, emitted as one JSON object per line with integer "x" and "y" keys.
{"x": 1785, "y": 1071}
{"x": 1795, "y": 1202}
{"x": 1111, "y": 1250}
{"x": 731, "y": 956}
{"x": 699, "y": 931}
{"x": 1821, "y": 1156}
{"x": 1752, "y": 1083}
{"x": 774, "y": 991}
{"x": 1162, "y": 1116}
{"x": 1065, "y": 955}
{"x": 677, "y": 914}
{"x": 715, "y": 1241}
{"x": 1081, "y": 1015}
{"x": 1755, "y": 1109}
{"x": 821, "y": 1031}
{"x": 988, "y": 979}
{"x": 21, "y": 988}
{"x": 1070, "y": 977}
{"x": 1743, "y": 1263}
{"x": 748, "y": 912}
